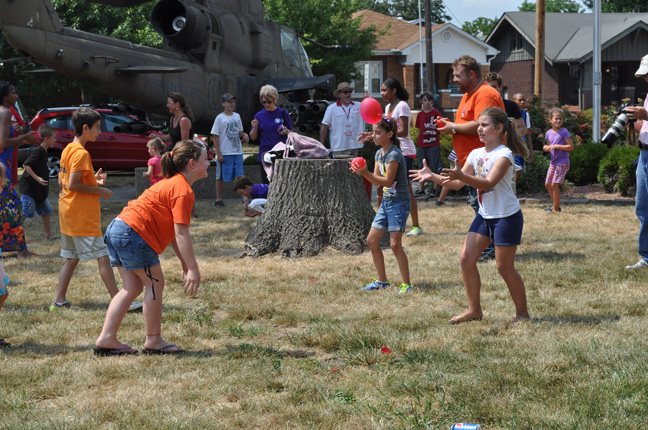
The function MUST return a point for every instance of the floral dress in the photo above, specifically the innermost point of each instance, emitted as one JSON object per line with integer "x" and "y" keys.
{"x": 12, "y": 232}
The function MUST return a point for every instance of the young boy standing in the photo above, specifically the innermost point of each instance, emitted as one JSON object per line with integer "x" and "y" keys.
{"x": 428, "y": 146}
{"x": 34, "y": 185}
{"x": 227, "y": 133}
{"x": 79, "y": 208}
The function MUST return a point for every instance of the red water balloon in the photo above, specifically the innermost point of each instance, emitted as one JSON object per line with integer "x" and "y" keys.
{"x": 440, "y": 123}
{"x": 370, "y": 110}
{"x": 359, "y": 162}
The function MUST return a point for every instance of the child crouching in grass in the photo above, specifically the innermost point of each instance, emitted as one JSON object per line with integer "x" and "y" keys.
{"x": 389, "y": 172}
{"x": 491, "y": 171}
{"x": 142, "y": 231}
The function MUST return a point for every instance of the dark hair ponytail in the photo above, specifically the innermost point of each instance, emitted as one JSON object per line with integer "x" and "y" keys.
{"x": 176, "y": 161}
{"x": 389, "y": 125}
{"x": 401, "y": 92}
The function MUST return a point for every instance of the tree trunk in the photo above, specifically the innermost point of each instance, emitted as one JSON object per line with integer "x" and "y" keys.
{"x": 312, "y": 204}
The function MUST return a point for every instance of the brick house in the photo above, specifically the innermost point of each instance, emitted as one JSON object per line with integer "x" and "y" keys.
{"x": 568, "y": 56}
{"x": 399, "y": 53}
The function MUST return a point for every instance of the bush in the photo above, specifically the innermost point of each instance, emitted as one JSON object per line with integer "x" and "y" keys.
{"x": 533, "y": 180}
{"x": 616, "y": 172}
{"x": 584, "y": 163}
{"x": 251, "y": 160}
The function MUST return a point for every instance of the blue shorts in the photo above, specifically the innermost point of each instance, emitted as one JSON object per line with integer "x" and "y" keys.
{"x": 409, "y": 165}
{"x": 392, "y": 215}
{"x": 231, "y": 168}
{"x": 502, "y": 231}
{"x": 29, "y": 205}
{"x": 126, "y": 247}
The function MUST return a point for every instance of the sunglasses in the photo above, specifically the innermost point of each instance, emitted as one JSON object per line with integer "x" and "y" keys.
{"x": 347, "y": 91}
{"x": 267, "y": 102}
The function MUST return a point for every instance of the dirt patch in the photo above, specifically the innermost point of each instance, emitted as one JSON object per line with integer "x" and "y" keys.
{"x": 586, "y": 192}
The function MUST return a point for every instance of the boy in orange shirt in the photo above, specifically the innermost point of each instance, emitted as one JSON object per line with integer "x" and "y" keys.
{"x": 79, "y": 208}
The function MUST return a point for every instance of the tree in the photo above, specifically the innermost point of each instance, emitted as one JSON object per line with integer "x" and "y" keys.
{"x": 553, "y": 6}
{"x": 611, "y": 6}
{"x": 479, "y": 26}
{"x": 328, "y": 22}
{"x": 407, "y": 9}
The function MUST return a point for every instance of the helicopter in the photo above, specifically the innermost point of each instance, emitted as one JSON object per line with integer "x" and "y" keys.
{"x": 210, "y": 47}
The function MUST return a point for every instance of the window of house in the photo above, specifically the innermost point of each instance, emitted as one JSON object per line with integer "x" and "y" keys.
{"x": 369, "y": 78}
{"x": 517, "y": 41}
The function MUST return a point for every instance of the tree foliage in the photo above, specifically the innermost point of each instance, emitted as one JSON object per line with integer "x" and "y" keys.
{"x": 553, "y": 6}
{"x": 610, "y": 6}
{"x": 329, "y": 22}
{"x": 479, "y": 26}
{"x": 407, "y": 9}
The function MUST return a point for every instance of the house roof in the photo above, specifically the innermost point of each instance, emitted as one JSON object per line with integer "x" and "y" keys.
{"x": 569, "y": 36}
{"x": 400, "y": 35}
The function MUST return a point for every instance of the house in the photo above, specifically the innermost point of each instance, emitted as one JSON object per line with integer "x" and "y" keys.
{"x": 568, "y": 55}
{"x": 399, "y": 53}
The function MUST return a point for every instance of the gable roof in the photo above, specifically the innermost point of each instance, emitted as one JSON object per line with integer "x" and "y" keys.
{"x": 569, "y": 36}
{"x": 400, "y": 35}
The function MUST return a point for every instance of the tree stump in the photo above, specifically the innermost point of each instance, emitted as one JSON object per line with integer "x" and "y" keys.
{"x": 312, "y": 204}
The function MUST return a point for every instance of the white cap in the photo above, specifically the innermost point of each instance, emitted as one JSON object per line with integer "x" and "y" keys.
{"x": 643, "y": 68}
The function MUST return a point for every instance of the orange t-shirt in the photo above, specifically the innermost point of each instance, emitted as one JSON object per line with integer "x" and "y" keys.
{"x": 153, "y": 214}
{"x": 79, "y": 213}
{"x": 469, "y": 109}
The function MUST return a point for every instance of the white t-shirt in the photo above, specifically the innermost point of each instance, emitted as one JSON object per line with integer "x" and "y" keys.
{"x": 345, "y": 123}
{"x": 500, "y": 201}
{"x": 227, "y": 128}
{"x": 406, "y": 143}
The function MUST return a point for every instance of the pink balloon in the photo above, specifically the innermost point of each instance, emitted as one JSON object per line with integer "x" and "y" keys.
{"x": 370, "y": 110}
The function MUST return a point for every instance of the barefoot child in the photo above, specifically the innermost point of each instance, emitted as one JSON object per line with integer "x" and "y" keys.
{"x": 390, "y": 173}
{"x": 155, "y": 149}
{"x": 491, "y": 171}
{"x": 34, "y": 184}
{"x": 559, "y": 143}
{"x": 159, "y": 217}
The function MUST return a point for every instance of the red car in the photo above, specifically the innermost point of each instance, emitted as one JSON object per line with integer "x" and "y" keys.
{"x": 111, "y": 150}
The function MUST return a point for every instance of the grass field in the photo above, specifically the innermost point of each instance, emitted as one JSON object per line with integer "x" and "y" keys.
{"x": 294, "y": 344}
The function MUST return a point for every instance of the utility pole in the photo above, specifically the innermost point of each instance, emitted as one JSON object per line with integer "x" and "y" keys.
{"x": 597, "y": 77}
{"x": 538, "y": 87}
{"x": 429, "y": 65}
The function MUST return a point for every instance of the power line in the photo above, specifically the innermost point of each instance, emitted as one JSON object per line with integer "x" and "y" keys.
{"x": 451, "y": 13}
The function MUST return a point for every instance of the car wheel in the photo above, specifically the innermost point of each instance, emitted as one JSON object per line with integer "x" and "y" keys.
{"x": 54, "y": 163}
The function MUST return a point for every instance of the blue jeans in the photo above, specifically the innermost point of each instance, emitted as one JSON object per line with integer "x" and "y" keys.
{"x": 641, "y": 202}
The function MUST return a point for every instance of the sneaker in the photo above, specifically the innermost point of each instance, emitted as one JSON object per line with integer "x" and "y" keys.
{"x": 376, "y": 285}
{"x": 219, "y": 203}
{"x": 486, "y": 257}
{"x": 405, "y": 288}
{"x": 419, "y": 193}
{"x": 639, "y": 265}
{"x": 416, "y": 231}
{"x": 56, "y": 306}
{"x": 135, "y": 306}
{"x": 439, "y": 203}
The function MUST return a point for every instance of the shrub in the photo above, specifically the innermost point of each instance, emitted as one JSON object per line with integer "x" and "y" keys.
{"x": 533, "y": 180}
{"x": 616, "y": 172}
{"x": 251, "y": 160}
{"x": 584, "y": 163}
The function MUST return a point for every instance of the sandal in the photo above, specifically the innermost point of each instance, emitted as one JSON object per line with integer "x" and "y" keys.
{"x": 125, "y": 350}
{"x": 171, "y": 348}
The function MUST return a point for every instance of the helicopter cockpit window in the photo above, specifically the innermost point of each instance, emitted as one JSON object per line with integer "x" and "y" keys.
{"x": 306, "y": 69}
{"x": 289, "y": 46}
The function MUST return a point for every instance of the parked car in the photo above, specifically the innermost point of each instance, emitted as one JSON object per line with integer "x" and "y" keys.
{"x": 113, "y": 150}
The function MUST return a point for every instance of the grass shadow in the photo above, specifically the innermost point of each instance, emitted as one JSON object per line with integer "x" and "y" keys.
{"x": 576, "y": 319}
{"x": 548, "y": 256}
{"x": 44, "y": 350}
{"x": 427, "y": 286}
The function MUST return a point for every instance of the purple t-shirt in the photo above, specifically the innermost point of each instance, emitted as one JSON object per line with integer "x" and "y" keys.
{"x": 269, "y": 124}
{"x": 259, "y": 191}
{"x": 558, "y": 156}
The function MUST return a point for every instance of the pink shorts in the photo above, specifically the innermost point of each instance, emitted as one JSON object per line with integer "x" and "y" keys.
{"x": 556, "y": 174}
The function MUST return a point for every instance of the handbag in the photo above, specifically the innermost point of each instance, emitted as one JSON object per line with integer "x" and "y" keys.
{"x": 305, "y": 147}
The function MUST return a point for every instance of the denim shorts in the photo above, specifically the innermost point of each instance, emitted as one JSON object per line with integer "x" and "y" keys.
{"x": 126, "y": 247}
{"x": 502, "y": 231}
{"x": 29, "y": 205}
{"x": 392, "y": 215}
{"x": 230, "y": 168}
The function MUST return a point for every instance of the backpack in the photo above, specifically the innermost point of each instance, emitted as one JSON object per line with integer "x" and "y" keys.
{"x": 305, "y": 147}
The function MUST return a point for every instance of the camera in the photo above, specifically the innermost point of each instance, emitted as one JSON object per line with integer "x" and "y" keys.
{"x": 618, "y": 127}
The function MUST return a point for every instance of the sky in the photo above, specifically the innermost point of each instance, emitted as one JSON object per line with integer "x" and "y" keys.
{"x": 469, "y": 10}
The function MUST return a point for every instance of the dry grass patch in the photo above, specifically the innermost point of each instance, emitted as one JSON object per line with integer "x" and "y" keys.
{"x": 279, "y": 343}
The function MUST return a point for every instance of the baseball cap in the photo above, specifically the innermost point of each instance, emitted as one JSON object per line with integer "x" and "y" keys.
{"x": 227, "y": 97}
{"x": 643, "y": 67}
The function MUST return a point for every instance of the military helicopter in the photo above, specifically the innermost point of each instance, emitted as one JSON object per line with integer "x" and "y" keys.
{"x": 210, "y": 47}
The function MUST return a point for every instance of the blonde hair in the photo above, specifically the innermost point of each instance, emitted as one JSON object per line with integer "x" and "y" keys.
{"x": 269, "y": 92}
{"x": 510, "y": 127}
{"x": 555, "y": 111}
{"x": 156, "y": 144}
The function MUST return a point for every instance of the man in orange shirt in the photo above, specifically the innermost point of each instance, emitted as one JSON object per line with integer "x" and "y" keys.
{"x": 477, "y": 97}
{"x": 79, "y": 208}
